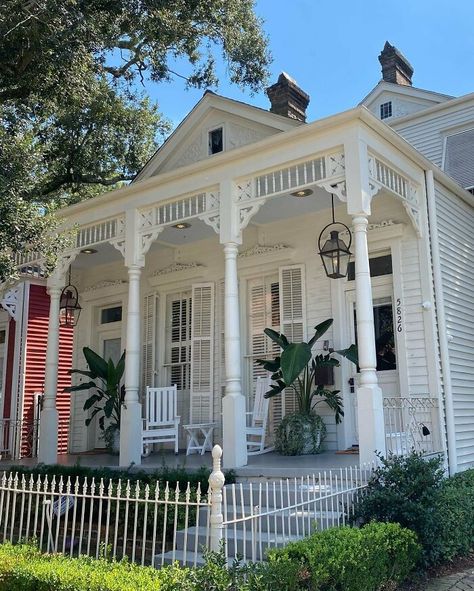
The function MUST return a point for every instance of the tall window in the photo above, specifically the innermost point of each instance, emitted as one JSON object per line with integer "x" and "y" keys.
{"x": 178, "y": 342}
{"x": 386, "y": 110}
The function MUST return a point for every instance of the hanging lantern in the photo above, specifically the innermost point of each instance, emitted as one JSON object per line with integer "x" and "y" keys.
{"x": 334, "y": 253}
{"x": 69, "y": 307}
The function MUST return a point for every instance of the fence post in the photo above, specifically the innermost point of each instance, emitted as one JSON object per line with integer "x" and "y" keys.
{"x": 216, "y": 484}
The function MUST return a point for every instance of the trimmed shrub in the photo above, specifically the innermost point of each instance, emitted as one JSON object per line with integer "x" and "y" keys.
{"x": 352, "y": 559}
{"x": 406, "y": 491}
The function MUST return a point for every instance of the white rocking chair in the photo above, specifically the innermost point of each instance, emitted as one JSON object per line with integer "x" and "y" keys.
{"x": 256, "y": 431}
{"x": 161, "y": 419}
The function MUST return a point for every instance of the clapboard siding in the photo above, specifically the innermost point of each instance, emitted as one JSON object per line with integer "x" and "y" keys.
{"x": 427, "y": 135}
{"x": 417, "y": 365}
{"x": 455, "y": 221}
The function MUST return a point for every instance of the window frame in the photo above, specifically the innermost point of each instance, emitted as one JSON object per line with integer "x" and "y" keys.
{"x": 387, "y": 105}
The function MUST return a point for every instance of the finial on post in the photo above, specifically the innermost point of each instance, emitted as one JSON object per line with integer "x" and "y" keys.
{"x": 216, "y": 484}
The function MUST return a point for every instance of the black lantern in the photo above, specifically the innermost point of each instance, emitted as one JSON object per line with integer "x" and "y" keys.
{"x": 69, "y": 307}
{"x": 334, "y": 253}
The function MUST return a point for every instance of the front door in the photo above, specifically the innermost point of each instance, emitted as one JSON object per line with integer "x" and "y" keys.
{"x": 110, "y": 347}
{"x": 385, "y": 344}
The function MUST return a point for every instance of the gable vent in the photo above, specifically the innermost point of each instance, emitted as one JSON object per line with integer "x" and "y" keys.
{"x": 459, "y": 158}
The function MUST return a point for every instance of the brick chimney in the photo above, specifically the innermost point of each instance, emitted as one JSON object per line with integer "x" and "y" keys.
{"x": 395, "y": 66}
{"x": 287, "y": 98}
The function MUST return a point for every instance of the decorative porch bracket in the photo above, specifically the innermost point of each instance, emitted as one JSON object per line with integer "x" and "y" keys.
{"x": 383, "y": 175}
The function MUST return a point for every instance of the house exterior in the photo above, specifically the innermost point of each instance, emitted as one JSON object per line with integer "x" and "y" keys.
{"x": 216, "y": 239}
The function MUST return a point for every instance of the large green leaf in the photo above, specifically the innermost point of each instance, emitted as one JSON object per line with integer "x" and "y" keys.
{"x": 277, "y": 338}
{"x": 120, "y": 367}
{"x": 80, "y": 372}
{"x": 293, "y": 360}
{"x": 94, "y": 412}
{"x": 319, "y": 330}
{"x": 275, "y": 389}
{"x": 91, "y": 401}
{"x": 80, "y": 387}
{"x": 96, "y": 364}
{"x": 350, "y": 353}
{"x": 109, "y": 407}
{"x": 269, "y": 364}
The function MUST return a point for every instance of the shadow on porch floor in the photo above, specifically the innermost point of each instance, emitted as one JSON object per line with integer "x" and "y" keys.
{"x": 270, "y": 465}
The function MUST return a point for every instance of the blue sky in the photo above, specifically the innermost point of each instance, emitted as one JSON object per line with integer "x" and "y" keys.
{"x": 331, "y": 49}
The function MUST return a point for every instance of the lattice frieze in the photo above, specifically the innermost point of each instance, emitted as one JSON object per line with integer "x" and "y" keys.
{"x": 290, "y": 177}
{"x": 100, "y": 232}
{"x": 245, "y": 190}
{"x": 335, "y": 164}
{"x": 10, "y": 301}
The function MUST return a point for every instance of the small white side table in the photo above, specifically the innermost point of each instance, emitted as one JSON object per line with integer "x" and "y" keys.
{"x": 199, "y": 438}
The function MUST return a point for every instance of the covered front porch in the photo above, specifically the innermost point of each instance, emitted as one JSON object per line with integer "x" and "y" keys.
{"x": 215, "y": 255}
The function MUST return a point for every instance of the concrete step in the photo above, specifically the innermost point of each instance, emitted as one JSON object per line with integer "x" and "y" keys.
{"x": 276, "y": 496}
{"x": 192, "y": 558}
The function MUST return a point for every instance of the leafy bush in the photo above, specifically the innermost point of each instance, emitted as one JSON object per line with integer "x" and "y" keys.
{"x": 412, "y": 491}
{"x": 352, "y": 559}
{"x": 404, "y": 490}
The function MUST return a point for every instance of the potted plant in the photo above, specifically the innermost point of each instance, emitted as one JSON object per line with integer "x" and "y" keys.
{"x": 108, "y": 394}
{"x": 302, "y": 432}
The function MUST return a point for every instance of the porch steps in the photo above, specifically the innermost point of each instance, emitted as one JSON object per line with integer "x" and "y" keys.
{"x": 255, "y": 535}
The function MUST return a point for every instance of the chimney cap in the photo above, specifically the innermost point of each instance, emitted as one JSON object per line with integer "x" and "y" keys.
{"x": 287, "y": 98}
{"x": 395, "y": 66}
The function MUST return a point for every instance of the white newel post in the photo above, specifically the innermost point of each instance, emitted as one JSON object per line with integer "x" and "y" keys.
{"x": 131, "y": 417}
{"x": 369, "y": 394}
{"x": 233, "y": 404}
{"x": 48, "y": 436}
{"x": 216, "y": 484}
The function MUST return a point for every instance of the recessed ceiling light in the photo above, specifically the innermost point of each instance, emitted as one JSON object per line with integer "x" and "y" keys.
{"x": 182, "y": 226}
{"x": 88, "y": 251}
{"x": 303, "y": 193}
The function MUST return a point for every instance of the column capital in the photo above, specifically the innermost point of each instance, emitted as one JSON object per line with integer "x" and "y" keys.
{"x": 360, "y": 222}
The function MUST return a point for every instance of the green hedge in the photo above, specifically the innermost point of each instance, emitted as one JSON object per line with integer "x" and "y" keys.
{"x": 351, "y": 559}
{"x": 341, "y": 559}
{"x": 164, "y": 474}
{"x": 413, "y": 492}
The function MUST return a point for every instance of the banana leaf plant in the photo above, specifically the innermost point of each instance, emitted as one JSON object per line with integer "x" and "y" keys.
{"x": 296, "y": 368}
{"x": 108, "y": 393}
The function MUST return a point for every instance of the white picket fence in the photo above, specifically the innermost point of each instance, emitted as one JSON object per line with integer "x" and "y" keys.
{"x": 157, "y": 525}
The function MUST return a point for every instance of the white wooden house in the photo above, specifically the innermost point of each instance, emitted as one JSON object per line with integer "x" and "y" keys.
{"x": 216, "y": 239}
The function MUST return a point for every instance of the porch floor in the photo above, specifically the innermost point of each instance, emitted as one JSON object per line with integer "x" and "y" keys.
{"x": 269, "y": 465}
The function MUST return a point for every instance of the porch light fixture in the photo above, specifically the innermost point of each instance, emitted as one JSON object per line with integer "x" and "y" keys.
{"x": 334, "y": 253}
{"x": 302, "y": 193}
{"x": 88, "y": 251}
{"x": 69, "y": 307}
{"x": 182, "y": 226}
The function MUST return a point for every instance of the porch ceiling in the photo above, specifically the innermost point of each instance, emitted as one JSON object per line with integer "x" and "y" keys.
{"x": 288, "y": 206}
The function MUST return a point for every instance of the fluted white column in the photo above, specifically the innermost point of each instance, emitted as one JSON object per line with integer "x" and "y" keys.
{"x": 48, "y": 436}
{"x": 369, "y": 395}
{"x": 233, "y": 404}
{"x": 131, "y": 416}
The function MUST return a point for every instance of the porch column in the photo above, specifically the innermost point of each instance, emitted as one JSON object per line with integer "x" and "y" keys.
{"x": 369, "y": 395}
{"x": 131, "y": 416}
{"x": 48, "y": 436}
{"x": 233, "y": 404}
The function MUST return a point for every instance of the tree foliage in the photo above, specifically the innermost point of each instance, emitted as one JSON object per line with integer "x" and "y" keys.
{"x": 74, "y": 119}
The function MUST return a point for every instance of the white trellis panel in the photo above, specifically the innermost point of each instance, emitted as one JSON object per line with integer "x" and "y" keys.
{"x": 202, "y": 353}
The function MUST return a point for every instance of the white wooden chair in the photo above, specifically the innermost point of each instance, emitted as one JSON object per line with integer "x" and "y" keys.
{"x": 161, "y": 420}
{"x": 256, "y": 431}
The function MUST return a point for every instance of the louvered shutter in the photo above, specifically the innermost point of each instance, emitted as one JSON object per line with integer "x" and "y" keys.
{"x": 202, "y": 353}
{"x": 292, "y": 317}
{"x": 459, "y": 157}
{"x": 149, "y": 341}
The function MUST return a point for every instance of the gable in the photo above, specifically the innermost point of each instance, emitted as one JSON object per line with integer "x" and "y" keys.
{"x": 241, "y": 124}
{"x": 237, "y": 132}
{"x": 400, "y": 100}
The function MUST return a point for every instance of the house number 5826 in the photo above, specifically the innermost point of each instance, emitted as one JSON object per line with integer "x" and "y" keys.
{"x": 399, "y": 315}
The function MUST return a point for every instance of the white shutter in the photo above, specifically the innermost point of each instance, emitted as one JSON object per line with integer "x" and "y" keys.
{"x": 292, "y": 317}
{"x": 202, "y": 353}
{"x": 149, "y": 341}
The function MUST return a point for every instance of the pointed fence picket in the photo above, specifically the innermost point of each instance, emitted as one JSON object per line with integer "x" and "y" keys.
{"x": 159, "y": 524}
